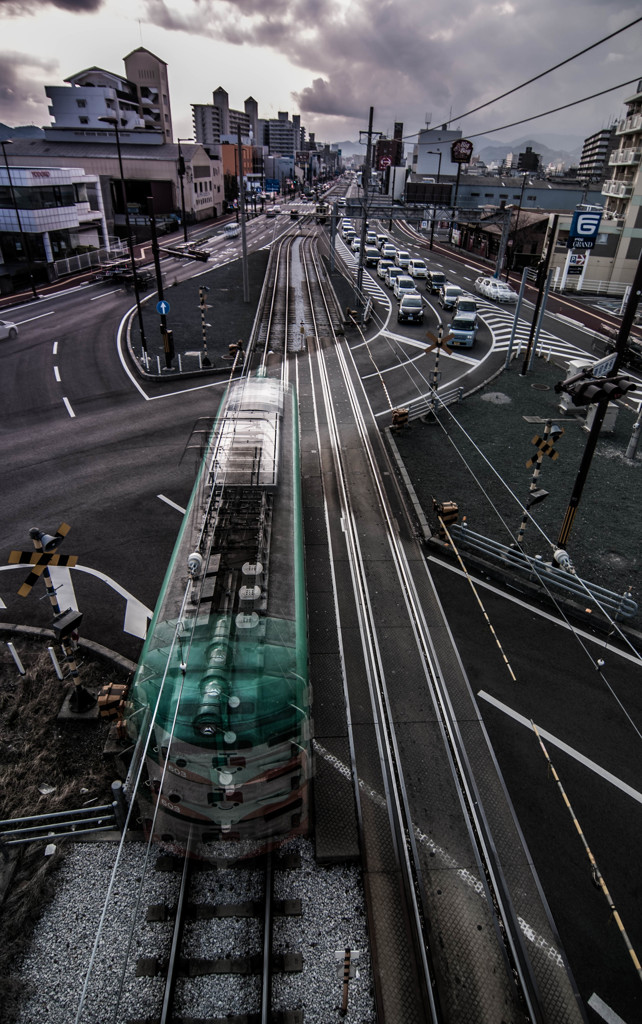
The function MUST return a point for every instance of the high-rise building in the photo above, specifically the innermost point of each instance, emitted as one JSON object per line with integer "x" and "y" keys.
{"x": 148, "y": 74}
{"x": 595, "y": 154}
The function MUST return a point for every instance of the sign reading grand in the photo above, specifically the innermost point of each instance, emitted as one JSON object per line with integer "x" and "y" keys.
{"x": 461, "y": 151}
{"x": 584, "y": 228}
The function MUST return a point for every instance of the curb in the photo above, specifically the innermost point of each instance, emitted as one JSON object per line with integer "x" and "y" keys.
{"x": 41, "y": 633}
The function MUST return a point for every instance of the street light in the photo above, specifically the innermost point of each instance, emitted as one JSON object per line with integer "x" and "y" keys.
{"x": 113, "y": 121}
{"x": 181, "y": 175}
{"x": 8, "y": 142}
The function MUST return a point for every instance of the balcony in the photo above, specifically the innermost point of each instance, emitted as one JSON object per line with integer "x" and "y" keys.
{"x": 629, "y": 124}
{"x": 625, "y": 157}
{"x": 619, "y": 189}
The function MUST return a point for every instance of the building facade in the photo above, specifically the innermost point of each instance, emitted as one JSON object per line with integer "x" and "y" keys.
{"x": 431, "y": 153}
{"x": 46, "y": 214}
{"x": 623, "y": 189}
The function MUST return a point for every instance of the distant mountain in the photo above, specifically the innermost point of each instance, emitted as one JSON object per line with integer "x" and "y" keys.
{"x": 26, "y": 131}
{"x": 349, "y": 148}
{"x": 568, "y": 149}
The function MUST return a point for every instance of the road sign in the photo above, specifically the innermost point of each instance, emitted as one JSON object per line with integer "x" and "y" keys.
{"x": 439, "y": 342}
{"x": 544, "y": 448}
{"x": 385, "y": 161}
{"x": 162, "y": 307}
{"x": 584, "y": 228}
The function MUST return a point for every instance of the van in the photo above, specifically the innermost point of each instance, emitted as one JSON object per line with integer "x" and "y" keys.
{"x": 434, "y": 281}
{"x": 463, "y": 328}
{"x": 232, "y": 230}
{"x": 371, "y": 255}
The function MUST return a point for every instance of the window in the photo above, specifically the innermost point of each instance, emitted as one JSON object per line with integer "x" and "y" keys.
{"x": 81, "y": 103}
{"x": 84, "y": 120}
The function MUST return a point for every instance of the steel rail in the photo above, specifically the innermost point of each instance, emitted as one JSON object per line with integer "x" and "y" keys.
{"x": 395, "y": 793}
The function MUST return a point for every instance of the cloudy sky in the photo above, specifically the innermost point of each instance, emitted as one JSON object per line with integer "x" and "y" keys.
{"x": 331, "y": 60}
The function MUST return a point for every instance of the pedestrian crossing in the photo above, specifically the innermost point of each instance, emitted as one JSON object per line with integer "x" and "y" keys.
{"x": 369, "y": 285}
{"x": 500, "y": 324}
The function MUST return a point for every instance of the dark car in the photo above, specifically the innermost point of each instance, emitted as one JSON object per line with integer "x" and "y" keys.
{"x": 435, "y": 280}
{"x": 411, "y": 309}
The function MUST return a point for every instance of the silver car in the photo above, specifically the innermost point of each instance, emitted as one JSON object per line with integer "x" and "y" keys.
{"x": 8, "y": 330}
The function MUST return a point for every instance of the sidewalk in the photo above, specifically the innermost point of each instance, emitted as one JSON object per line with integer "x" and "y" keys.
{"x": 445, "y": 460}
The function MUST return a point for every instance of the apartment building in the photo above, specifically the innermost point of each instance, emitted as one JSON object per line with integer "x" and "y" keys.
{"x": 623, "y": 189}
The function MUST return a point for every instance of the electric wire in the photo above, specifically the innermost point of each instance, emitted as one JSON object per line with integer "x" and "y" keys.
{"x": 555, "y": 110}
{"x": 542, "y": 74}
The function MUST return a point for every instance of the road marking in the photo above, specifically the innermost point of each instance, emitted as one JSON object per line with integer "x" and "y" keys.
{"x": 69, "y": 409}
{"x": 103, "y": 295}
{"x": 173, "y": 504}
{"x": 55, "y": 348}
{"x": 57, "y": 374}
{"x": 591, "y": 765}
{"x": 605, "y": 1012}
{"x": 39, "y": 317}
{"x": 538, "y": 611}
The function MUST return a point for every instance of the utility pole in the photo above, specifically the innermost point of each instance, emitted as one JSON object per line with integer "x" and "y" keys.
{"x": 166, "y": 335}
{"x": 246, "y": 283}
{"x": 600, "y": 411}
{"x": 364, "y": 221}
{"x": 542, "y": 275}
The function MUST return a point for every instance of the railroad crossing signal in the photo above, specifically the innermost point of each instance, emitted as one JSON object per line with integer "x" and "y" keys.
{"x": 439, "y": 341}
{"x": 42, "y": 557}
{"x": 544, "y": 447}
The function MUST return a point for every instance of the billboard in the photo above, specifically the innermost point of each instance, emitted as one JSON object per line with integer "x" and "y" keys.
{"x": 428, "y": 193}
{"x": 461, "y": 151}
{"x": 584, "y": 228}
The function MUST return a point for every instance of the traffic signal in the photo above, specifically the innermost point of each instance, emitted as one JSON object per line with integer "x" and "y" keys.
{"x": 589, "y": 390}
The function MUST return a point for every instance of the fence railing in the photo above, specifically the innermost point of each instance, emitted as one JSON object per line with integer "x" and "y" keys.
{"x": 549, "y": 577}
{"x": 87, "y": 260}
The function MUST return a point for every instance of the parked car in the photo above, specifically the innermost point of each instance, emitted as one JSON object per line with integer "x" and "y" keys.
{"x": 383, "y": 265}
{"x": 463, "y": 329}
{"x": 402, "y": 259}
{"x": 417, "y": 268}
{"x": 371, "y": 255}
{"x": 434, "y": 281}
{"x": 388, "y": 250}
{"x": 8, "y": 330}
{"x": 448, "y": 295}
{"x": 391, "y": 273}
{"x": 465, "y": 304}
{"x": 411, "y": 308}
{"x": 403, "y": 285}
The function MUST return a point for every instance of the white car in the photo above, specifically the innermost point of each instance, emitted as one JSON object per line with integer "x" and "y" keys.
{"x": 7, "y": 329}
{"x": 355, "y": 244}
{"x": 392, "y": 273}
{"x": 388, "y": 251}
{"x": 403, "y": 285}
{"x": 417, "y": 268}
{"x": 382, "y": 266}
{"x": 402, "y": 259}
{"x": 481, "y": 285}
{"x": 381, "y": 240}
{"x": 448, "y": 295}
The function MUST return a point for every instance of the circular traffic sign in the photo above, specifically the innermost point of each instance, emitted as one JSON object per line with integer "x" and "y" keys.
{"x": 385, "y": 161}
{"x": 162, "y": 307}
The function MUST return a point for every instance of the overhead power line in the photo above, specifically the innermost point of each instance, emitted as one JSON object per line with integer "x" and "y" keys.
{"x": 555, "y": 110}
{"x": 542, "y": 74}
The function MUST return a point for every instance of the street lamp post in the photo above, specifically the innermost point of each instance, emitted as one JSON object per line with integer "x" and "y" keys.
{"x": 113, "y": 121}
{"x": 8, "y": 142}
{"x": 510, "y": 263}
{"x": 181, "y": 175}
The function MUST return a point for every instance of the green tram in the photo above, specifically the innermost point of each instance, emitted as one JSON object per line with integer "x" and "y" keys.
{"x": 220, "y": 701}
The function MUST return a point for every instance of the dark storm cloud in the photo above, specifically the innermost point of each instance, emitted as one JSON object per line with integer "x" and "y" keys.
{"x": 410, "y": 61}
{"x": 21, "y": 7}
{"x": 22, "y": 96}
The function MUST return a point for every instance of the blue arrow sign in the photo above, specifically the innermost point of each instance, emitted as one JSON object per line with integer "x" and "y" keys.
{"x": 162, "y": 307}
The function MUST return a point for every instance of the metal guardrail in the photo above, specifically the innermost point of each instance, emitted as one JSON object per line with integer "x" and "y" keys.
{"x": 59, "y": 824}
{"x": 549, "y": 577}
{"x": 432, "y": 403}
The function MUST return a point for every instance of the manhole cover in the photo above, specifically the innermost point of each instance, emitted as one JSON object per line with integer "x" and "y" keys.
{"x": 540, "y": 387}
{"x": 496, "y": 397}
